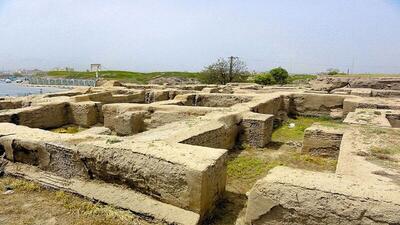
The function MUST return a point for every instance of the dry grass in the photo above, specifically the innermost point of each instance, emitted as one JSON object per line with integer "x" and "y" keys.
{"x": 386, "y": 151}
{"x": 32, "y": 204}
{"x": 19, "y": 185}
{"x": 113, "y": 141}
{"x": 68, "y": 129}
{"x": 245, "y": 167}
{"x": 383, "y": 145}
{"x": 88, "y": 209}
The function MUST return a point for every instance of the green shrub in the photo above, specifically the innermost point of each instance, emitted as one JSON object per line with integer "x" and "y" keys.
{"x": 264, "y": 79}
{"x": 333, "y": 71}
{"x": 225, "y": 71}
{"x": 280, "y": 75}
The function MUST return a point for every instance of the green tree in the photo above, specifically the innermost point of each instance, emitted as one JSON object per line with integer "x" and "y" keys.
{"x": 333, "y": 71}
{"x": 224, "y": 71}
{"x": 264, "y": 79}
{"x": 280, "y": 75}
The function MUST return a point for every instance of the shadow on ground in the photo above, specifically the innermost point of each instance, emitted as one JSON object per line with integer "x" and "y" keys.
{"x": 228, "y": 209}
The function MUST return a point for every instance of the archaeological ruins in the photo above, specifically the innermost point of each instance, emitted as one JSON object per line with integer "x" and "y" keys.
{"x": 160, "y": 151}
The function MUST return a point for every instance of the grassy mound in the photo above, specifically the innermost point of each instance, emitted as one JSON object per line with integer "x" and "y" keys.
{"x": 127, "y": 76}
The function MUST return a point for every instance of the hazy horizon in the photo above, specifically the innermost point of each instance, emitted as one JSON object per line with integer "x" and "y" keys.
{"x": 175, "y": 35}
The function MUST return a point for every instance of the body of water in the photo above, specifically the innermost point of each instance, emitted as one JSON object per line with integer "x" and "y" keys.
{"x": 12, "y": 89}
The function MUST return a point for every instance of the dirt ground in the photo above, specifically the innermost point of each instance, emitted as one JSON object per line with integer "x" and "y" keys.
{"x": 384, "y": 150}
{"x": 31, "y": 204}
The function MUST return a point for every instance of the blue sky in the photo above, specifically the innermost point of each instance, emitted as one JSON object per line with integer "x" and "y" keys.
{"x": 158, "y": 35}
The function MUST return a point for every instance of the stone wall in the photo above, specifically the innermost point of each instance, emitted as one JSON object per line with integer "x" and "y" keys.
{"x": 127, "y": 123}
{"x": 289, "y": 196}
{"x": 394, "y": 119}
{"x": 85, "y": 114}
{"x": 322, "y": 141}
{"x": 224, "y": 137}
{"x": 54, "y": 115}
{"x": 45, "y": 116}
{"x": 212, "y": 100}
{"x": 273, "y": 105}
{"x": 6, "y": 104}
{"x": 351, "y": 104}
{"x": 331, "y": 83}
{"x": 191, "y": 178}
{"x": 315, "y": 104}
{"x": 257, "y": 129}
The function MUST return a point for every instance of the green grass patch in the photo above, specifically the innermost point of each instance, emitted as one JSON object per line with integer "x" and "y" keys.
{"x": 248, "y": 167}
{"x": 127, "y": 76}
{"x": 254, "y": 166}
{"x": 305, "y": 161}
{"x": 284, "y": 133}
{"x": 244, "y": 168}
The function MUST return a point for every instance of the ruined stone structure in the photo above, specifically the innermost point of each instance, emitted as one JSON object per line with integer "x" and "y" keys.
{"x": 161, "y": 151}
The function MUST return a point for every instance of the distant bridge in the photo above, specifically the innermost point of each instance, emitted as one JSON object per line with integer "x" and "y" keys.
{"x": 61, "y": 81}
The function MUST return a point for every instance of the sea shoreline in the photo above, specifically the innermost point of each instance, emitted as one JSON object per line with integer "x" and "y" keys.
{"x": 50, "y": 86}
{"x": 23, "y": 89}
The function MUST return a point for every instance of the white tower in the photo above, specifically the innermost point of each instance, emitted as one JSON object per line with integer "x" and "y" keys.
{"x": 95, "y": 68}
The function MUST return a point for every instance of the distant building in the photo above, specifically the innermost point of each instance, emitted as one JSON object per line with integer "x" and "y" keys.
{"x": 27, "y": 72}
{"x": 70, "y": 69}
{"x": 95, "y": 67}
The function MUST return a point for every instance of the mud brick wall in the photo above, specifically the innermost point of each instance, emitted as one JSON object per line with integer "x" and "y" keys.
{"x": 322, "y": 141}
{"x": 257, "y": 129}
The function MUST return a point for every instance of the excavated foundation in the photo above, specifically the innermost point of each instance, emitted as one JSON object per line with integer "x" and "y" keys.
{"x": 161, "y": 152}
